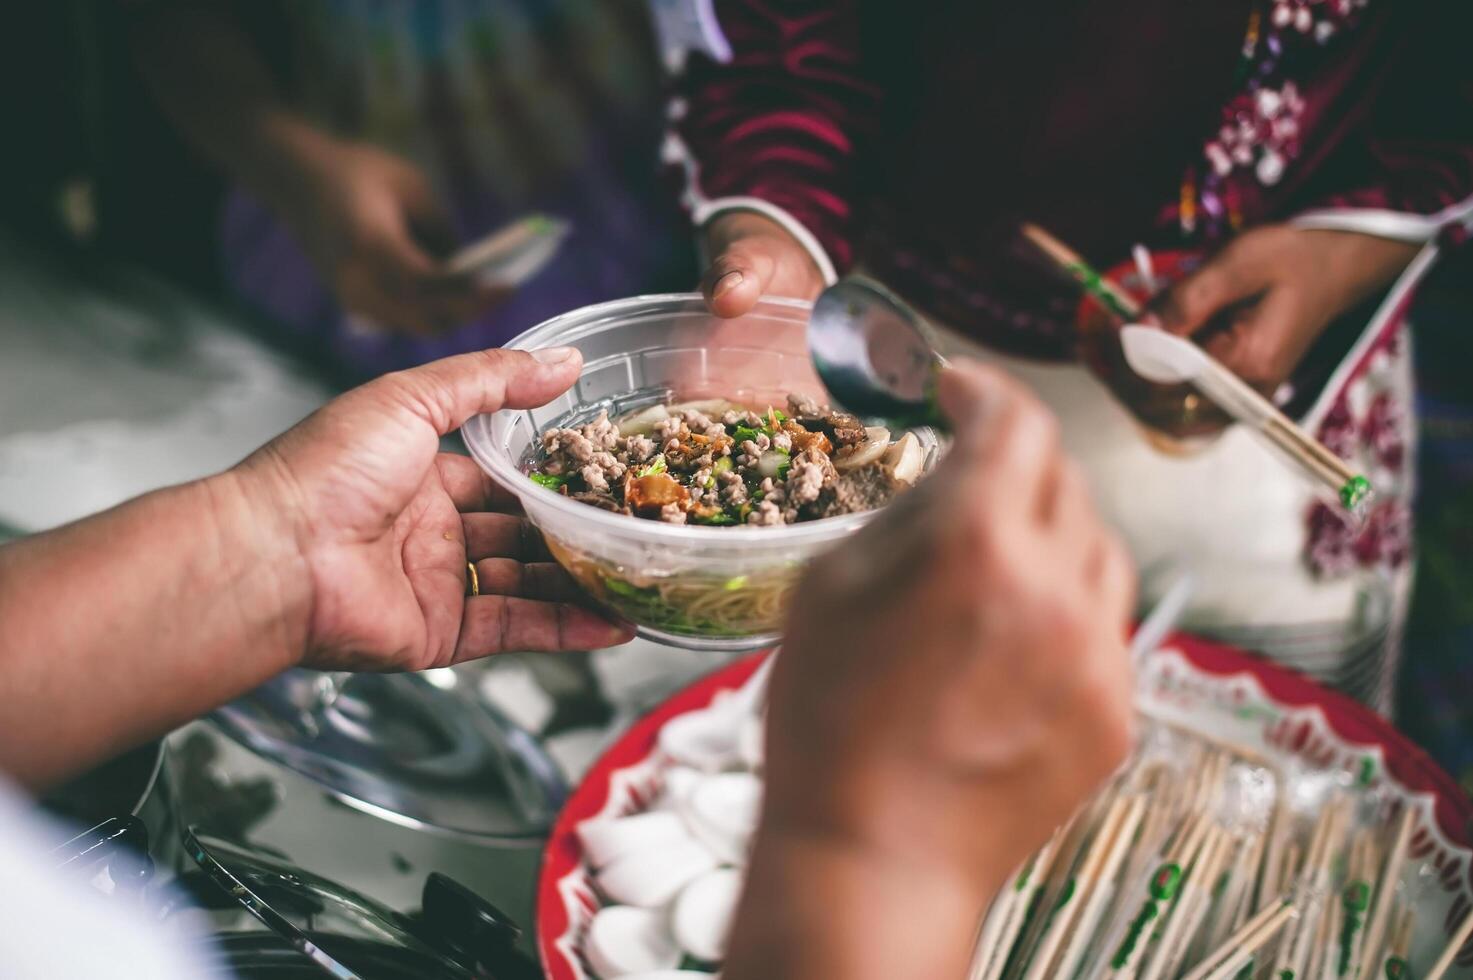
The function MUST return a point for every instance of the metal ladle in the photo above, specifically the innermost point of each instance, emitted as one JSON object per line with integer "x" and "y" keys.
{"x": 875, "y": 354}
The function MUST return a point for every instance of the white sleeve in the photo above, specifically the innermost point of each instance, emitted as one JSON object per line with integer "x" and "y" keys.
{"x": 53, "y": 927}
{"x": 706, "y": 210}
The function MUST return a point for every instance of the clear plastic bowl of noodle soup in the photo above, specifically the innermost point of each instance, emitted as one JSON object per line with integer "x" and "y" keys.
{"x": 692, "y": 586}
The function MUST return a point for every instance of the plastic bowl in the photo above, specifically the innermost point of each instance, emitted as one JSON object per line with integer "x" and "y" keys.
{"x": 702, "y": 588}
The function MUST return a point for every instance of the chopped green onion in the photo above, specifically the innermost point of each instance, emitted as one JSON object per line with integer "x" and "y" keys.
{"x": 722, "y": 465}
{"x": 620, "y": 587}
{"x": 657, "y": 465}
{"x": 774, "y": 463}
{"x": 732, "y": 584}
{"x": 548, "y": 480}
{"x": 745, "y": 433}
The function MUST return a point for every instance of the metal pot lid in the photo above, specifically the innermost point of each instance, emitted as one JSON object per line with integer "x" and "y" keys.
{"x": 268, "y": 957}
{"x": 336, "y": 931}
{"x": 419, "y": 750}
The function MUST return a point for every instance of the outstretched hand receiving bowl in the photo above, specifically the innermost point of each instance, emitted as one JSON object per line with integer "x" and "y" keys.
{"x": 384, "y": 525}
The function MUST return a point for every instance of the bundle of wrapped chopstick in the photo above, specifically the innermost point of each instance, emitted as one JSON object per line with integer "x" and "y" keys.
{"x": 1206, "y": 862}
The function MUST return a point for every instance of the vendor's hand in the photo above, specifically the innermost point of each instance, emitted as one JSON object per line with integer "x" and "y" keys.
{"x": 953, "y": 683}
{"x": 1260, "y": 303}
{"x": 376, "y": 232}
{"x": 753, "y": 256}
{"x": 384, "y": 523}
{"x": 954, "y": 680}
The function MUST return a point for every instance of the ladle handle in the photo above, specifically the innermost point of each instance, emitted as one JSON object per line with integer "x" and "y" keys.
{"x": 462, "y": 923}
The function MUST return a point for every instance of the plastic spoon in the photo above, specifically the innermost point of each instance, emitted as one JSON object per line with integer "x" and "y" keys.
{"x": 511, "y": 255}
{"x": 1168, "y": 359}
{"x": 1162, "y": 618}
{"x": 623, "y": 940}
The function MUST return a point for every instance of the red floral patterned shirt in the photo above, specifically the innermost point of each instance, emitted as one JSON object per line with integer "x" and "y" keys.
{"x": 915, "y": 138}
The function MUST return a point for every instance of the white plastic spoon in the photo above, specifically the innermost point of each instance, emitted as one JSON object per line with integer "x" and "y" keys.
{"x": 751, "y": 737}
{"x": 1162, "y": 618}
{"x": 679, "y": 781}
{"x": 650, "y": 878}
{"x": 701, "y": 917}
{"x": 722, "y": 813}
{"x": 624, "y": 940}
{"x": 1168, "y": 359}
{"x": 605, "y": 841}
{"x": 704, "y": 740}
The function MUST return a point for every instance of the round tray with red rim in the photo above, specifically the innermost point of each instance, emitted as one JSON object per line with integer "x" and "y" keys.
{"x": 1224, "y": 693}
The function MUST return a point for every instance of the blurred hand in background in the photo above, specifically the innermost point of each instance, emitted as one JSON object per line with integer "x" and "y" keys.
{"x": 1260, "y": 303}
{"x": 368, "y": 219}
{"x": 375, "y": 231}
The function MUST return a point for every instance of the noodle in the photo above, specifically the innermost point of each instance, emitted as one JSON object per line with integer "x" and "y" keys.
{"x": 693, "y": 605}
